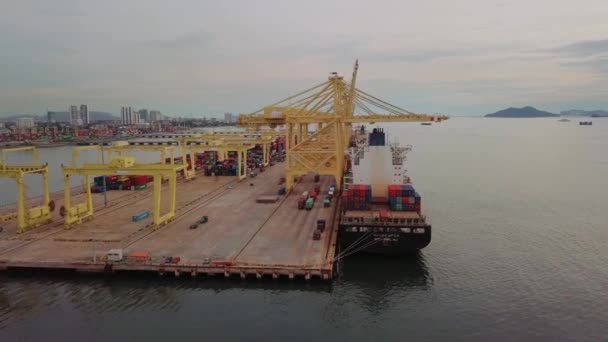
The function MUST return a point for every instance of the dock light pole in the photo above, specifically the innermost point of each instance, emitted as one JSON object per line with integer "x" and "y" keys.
{"x": 94, "y": 249}
{"x": 105, "y": 190}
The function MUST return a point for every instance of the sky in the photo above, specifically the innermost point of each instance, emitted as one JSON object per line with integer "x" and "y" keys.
{"x": 203, "y": 58}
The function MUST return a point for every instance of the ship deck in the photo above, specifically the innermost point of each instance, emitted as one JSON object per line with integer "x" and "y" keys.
{"x": 242, "y": 238}
{"x": 380, "y": 214}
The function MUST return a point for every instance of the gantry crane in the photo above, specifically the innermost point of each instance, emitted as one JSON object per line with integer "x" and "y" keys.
{"x": 121, "y": 165}
{"x": 221, "y": 142}
{"x": 331, "y": 106}
{"x": 240, "y": 145}
{"x": 263, "y": 138}
{"x": 32, "y": 217}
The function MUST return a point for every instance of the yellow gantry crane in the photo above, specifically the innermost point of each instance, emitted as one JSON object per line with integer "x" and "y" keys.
{"x": 240, "y": 145}
{"x": 32, "y": 217}
{"x": 120, "y": 165}
{"x": 330, "y": 106}
{"x": 221, "y": 142}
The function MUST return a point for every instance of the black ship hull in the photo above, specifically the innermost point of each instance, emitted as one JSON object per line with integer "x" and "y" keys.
{"x": 382, "y": 239}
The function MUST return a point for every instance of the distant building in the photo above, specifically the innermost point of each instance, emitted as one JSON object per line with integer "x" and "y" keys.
{"x": 25, "y": 122}
{"x": 74, "y": 115}
{"x": 51, "y": 117}
{"x": 229, "y": 118}
{"x": 154, "y": 116}
{"x": 84, "y": 114}
{"x": 143, "y": 115}
{"x": 129, "y": 116}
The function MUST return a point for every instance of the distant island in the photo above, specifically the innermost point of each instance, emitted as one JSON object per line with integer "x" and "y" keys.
{"x": 525, "y": 112}
{"x": 578, "y": 112}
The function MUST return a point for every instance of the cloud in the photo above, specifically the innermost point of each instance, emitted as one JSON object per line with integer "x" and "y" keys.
{"x": 238, "y": 55}
{"x": 188, "y": 40}
{"x": 583, "y": 48}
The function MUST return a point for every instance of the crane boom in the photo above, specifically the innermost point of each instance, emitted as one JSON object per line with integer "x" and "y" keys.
{"x": 332, "y": 106}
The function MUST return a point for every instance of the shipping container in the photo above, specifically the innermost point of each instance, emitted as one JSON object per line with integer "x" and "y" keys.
{"x": 309, "y": 203}
{"x": 141, "y": 215}
{"x": 139, "y": 256}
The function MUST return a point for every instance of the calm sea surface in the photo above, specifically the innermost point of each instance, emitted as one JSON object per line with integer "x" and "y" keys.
{"x": 519, "y": 209}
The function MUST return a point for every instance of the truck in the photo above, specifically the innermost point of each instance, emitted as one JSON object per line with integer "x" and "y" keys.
{"x": 309, "y": 203}
{"x": 301, "y": 202}
{"x": 114, "y": 255}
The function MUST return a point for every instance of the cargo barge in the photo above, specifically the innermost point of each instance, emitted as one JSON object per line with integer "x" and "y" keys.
{"x": 380, "y": 209}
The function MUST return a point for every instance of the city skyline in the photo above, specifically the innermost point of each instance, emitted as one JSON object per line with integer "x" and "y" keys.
{"x": 154, "y": 115}
{"x": 470, "y": 57}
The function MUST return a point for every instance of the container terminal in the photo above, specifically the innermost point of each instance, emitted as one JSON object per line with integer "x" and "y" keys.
{"x": 260, "y": 203}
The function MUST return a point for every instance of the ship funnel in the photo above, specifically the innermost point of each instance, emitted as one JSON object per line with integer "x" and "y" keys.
{"x": 377, "y": 137}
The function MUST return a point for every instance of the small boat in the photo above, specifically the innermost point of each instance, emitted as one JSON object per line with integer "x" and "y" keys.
{"x": 563, "y": 120}
{"x": 426, "y": 123}
{"x": 585, "y": 123}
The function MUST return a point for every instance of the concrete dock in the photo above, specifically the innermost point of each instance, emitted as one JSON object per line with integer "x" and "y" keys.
{"x": 242, "y": 238}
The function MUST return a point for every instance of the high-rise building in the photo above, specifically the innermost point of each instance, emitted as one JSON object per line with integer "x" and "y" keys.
{"x": 143, "y": 115}
{"x": 155, "y": 116}
{"x": 229, "y": 118}
{"x": 75, "y": 116}
{"x": 84, "y": 114}
{"x": 51, "y": 117}
{"x": 25, "y": 122}
{"x": 129, "y": 116}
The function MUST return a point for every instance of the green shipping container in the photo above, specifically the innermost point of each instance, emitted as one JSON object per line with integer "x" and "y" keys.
{"x": 309, "y": 203}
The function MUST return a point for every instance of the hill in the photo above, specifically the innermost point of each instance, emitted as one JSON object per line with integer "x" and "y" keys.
{"x": 525, "y": 112}
{"x": 577, "y": 112}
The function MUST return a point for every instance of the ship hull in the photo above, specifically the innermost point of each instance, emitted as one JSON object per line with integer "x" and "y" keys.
{"x": 383, "y": 240}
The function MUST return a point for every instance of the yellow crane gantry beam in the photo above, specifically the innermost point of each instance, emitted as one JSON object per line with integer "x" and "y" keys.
{"x": 222, "y": 145}
{"x": 190, "y": 143}
{"x": 265, "y": 139}
{"x": 32, "y": 217}
{"x": 330, "y": 105}
{"x": 122, "y": 165}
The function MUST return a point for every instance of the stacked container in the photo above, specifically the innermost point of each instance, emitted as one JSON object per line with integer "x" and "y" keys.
{"x": 357, "y": 197}
{"x": 112, "y": 183}
{"x": 403, "y": 197}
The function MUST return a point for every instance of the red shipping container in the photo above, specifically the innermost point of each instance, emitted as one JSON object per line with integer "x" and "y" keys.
{"x": 139, "y": 180}
{"x": 111, "y": 179}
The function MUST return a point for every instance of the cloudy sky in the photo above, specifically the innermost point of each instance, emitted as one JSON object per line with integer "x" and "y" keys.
{"x": 194, "y": 58}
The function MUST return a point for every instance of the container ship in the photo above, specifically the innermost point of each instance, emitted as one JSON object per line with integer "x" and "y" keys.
{"x": 380, "y": 208}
